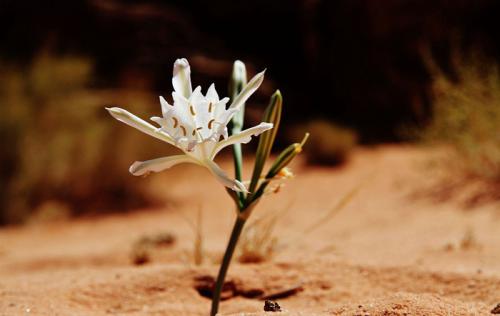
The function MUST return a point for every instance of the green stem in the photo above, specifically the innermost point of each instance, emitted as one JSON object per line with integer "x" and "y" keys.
{"x": 231, "y": 246}
{"x": 238, "y": 160}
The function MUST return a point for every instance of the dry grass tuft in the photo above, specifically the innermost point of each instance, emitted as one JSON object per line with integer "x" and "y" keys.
{"x": 466, "y": 115}
{"x": 58, "y": 136}
{"x": 257, "y": 242}
{"x": 143, "y": 248}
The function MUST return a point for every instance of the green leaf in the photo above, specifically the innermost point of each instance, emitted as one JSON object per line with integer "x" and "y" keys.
{"x": 266, "y": 140}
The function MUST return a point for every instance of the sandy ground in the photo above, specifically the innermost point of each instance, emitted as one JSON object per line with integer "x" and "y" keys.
{"x": 396, "y": 249}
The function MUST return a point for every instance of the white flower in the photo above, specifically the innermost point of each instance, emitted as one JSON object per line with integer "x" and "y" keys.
{"x": 196, "y": 124}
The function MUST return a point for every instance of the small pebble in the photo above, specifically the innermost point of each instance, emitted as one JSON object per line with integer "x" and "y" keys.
{"x": 496, "y": 309}
{"x": 271, "y": 306}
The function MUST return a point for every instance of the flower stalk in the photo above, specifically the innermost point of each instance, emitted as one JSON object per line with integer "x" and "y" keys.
{"x": 246, "y": 203}
{"x": 226, "y": 260}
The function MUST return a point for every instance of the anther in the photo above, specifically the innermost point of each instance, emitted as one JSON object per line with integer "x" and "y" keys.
{"x": 183, "y": 130}
{"x": 211, "y": 123}
{"x": 195, "y": 130}
{"x": 176, "y": 122}
{"x": 210, "y": 107}
{"x": 191, "y": 109}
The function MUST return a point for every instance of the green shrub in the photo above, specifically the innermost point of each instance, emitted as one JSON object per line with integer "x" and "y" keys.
{"x": 56, "y": 141}
{"x": 466, "y": 115}
{"x": 329, "y": 144}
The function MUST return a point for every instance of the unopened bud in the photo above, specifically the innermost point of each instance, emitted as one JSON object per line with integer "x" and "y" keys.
{"x": 286, "y": 157}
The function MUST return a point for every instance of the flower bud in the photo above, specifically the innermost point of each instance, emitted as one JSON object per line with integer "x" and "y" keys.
{"x": 286, "y": 157}
{"x": 236, "y": 84}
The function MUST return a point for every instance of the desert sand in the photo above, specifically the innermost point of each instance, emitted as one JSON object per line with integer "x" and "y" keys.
{"x": 401, "y": 246}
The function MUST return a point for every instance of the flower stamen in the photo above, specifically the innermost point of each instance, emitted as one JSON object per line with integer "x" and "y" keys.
{"x": 210, "y": 108}
{"x": 191, "y": 109}
{"x": 176, "y": 122}
{"x": 184, "y": 132}
{"x": 211, "y": 123}
{"x": 195, "y": 130}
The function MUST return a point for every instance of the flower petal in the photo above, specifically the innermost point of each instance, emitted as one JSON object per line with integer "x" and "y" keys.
{"x": 165, "y": 106}
{"x": 182, "y": 110}
{"x": 242, "y": 138}
{"x": 140, "y": 168}
{"x": 182, "y": 78}
{"x": 248, "y": 90}
{"x": 212, "y": 95}
{"x": 233, "y": 184}
{"x": 136, "y": 122}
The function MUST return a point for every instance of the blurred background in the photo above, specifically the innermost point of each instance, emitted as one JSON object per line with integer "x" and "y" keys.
{"x": 351, "y": 72}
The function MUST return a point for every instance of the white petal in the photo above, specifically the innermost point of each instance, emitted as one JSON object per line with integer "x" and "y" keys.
{"x": 242, "y": 138}
{"x": 225, "y": 117}
{"x": 165, "y": 107}
{"x": 182, "y": 77}
{"x": 212, "y": 95}
{"x": 239, "y": 72}
{"x": 198, "y": 101}
{"x": 203, "y": 116}
{"x": 157, "y": 119}
{"x": 233, "y": 184}
{"x": 160, "y": 121}
{"x": 136, "y": 122}
{"x": 219, "y": 109}
{"x": 181, "y": 110}
{"x": 140, "y": 168}
{"x": 248, "y": 90}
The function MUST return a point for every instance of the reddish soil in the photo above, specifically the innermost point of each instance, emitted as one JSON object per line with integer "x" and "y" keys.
{"x": 395, "y": 249}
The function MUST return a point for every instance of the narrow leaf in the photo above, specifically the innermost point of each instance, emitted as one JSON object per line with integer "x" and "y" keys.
{"x": 266, "y": 140}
